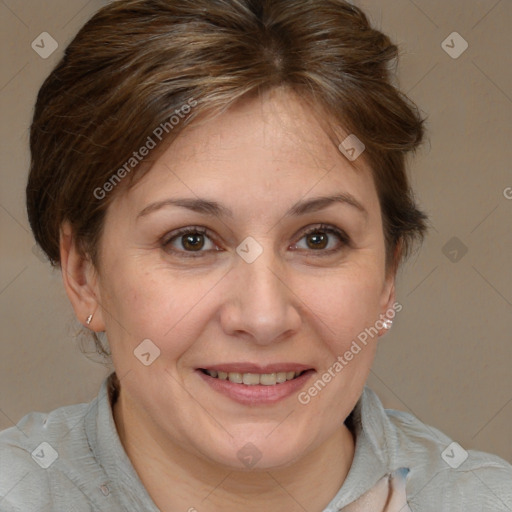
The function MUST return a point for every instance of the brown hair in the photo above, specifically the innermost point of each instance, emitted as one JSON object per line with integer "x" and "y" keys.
{"x": 137, "y": 64}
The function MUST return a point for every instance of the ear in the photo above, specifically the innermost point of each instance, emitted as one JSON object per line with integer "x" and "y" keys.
{"x": 80, "y": 281}
{"x": 388, "y": 305}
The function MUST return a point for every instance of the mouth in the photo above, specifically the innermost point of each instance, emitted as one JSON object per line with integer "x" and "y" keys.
{"x": 254, "y": 379}
{"x": 251, "y": 384}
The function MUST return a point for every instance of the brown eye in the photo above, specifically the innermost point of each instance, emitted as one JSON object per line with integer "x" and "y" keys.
{"x": 317, "y": 240}
{"x": 322, "y": 239}
{"x": 193, "y": 242}
{"x": 190, "y": 241}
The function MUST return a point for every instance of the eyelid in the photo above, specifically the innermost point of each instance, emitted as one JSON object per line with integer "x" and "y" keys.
{"x": 183, "y": 231}
{"x": 343, "y": 237}
{"x": 177, "y": 233}
{"x": 166, "y": 240}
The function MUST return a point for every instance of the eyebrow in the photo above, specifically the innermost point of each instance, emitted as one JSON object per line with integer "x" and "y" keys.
{"x": 215, "y": 209}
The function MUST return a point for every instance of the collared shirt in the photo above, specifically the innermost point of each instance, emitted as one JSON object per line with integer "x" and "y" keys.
{"x": 72, "y": 460}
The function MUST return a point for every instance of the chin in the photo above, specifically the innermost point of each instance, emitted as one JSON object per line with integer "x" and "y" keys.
{"x": 259, "y": 452}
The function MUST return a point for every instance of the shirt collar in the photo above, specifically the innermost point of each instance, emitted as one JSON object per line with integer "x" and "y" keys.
{"x": 123, "y": 483}
{"x": 376, "y": 450}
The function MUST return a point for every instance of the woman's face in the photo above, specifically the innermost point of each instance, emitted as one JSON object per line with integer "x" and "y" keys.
{"x": 247, "y": 290}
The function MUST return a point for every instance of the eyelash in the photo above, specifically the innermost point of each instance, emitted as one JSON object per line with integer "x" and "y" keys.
{"x": 322, "y": 228}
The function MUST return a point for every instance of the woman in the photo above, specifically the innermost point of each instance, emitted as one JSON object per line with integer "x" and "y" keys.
{"x": 223, "y": 185}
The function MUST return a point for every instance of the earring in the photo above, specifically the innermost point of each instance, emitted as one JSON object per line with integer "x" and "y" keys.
{"x": 89, "y": 319}
{"x": 387, "y": 323}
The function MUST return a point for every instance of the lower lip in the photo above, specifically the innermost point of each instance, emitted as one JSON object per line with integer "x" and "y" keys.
{"x": 258, "y": 394}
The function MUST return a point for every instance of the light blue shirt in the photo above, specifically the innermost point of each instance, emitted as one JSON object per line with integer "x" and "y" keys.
{"x": 72, "y": 460}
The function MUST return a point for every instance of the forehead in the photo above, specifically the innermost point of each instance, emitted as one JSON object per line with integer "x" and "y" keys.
{"x": 268, "y": 150}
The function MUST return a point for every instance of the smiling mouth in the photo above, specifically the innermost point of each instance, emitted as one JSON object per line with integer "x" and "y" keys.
{"x": 254, "y": 379}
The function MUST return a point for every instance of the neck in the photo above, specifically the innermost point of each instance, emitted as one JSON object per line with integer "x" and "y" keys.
{"x": 202, "y": 486}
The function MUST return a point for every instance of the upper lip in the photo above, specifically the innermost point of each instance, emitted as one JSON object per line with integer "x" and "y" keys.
{"x": 257, "y": 368}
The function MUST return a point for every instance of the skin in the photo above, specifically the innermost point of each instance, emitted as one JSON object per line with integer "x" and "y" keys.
{"x": 290, "y": 305}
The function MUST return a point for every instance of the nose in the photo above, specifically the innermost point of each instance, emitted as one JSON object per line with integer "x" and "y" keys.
{"x": 260, "y": 304}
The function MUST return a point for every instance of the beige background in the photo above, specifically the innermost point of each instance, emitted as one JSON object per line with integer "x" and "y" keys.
{"x": 448, "y": 357}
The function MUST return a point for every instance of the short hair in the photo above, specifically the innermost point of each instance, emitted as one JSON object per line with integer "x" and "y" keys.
{"x": 140, "y": 65}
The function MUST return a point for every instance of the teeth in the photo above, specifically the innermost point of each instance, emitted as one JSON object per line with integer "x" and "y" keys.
{"x": 268, "y": 379}
{"x": 280, "y": 377}
{"x": 235, "y": 377}
{"x": 253, "y": 379}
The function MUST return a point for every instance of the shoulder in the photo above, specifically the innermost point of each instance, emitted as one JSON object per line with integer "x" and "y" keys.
{"x": 36, "y": 427}
{"x": 443, "y": 473}
{"x": 34, "y": 454}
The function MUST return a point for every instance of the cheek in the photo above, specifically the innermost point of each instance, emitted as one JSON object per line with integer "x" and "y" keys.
{"x": 155, "y": 305}
{"x": 343, "y": 306}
